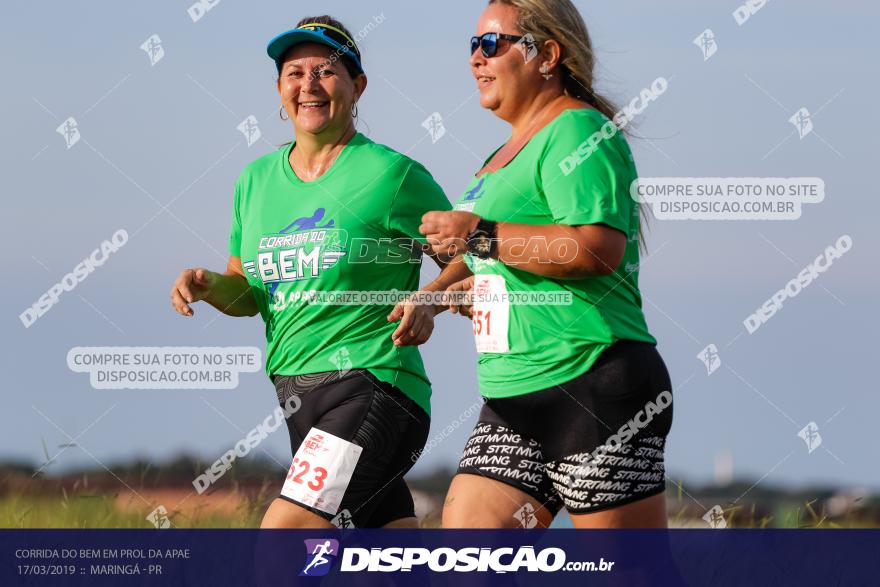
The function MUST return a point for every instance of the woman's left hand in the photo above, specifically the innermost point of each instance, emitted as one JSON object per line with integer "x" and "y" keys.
{"x": 447, "y": 232}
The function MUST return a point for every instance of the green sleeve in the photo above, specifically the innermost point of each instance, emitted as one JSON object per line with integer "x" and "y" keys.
{"x": 418, "y": 193}
{"x": 235, "y": 230}
{"x": 584, "y": 185}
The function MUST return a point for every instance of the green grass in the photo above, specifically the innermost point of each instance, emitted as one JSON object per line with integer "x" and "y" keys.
{"x": 787, "y": 514}
{"x": 30, "y": 502}
{"x": 100, "y": 511}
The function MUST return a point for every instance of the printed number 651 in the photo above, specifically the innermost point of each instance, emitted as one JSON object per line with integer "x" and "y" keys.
{"x": 478, "y": 318}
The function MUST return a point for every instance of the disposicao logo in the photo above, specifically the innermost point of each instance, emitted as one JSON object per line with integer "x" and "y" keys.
{"x": 320, "y": 554}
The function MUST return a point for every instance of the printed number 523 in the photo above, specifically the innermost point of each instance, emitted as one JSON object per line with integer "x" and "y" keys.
{"x": 319, "y": 474}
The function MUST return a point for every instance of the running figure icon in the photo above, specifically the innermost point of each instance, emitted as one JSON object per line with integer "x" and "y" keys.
{"x": 319, "y": 558}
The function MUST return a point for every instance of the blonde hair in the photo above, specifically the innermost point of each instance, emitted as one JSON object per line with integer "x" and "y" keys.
{"x": 560, "y": 20}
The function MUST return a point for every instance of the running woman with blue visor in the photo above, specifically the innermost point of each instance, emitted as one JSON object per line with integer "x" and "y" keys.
{"x": 578, "y": 400}
{"x": 300, "y": 218}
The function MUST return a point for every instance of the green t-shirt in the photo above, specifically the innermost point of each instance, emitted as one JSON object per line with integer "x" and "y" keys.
{"x": 550, "y": 182}
{"x": 351, "y": 230}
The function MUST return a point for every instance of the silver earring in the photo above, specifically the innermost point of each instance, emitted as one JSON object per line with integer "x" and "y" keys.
{"x": 354, "y": 110}
{"x": 281, "y": 113}
{"x": 545, "y": 71}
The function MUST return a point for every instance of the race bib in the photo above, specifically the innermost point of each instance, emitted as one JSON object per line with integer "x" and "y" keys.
{"x": 321, "y": 471}
{"x": 491, "y": 314}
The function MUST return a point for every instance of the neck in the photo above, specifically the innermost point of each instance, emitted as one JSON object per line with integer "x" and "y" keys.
{"x": 531, "y": 111}
{"x": 313, "y": 154}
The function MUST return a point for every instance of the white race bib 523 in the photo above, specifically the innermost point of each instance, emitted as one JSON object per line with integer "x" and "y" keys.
{"x": 321, "y": 471}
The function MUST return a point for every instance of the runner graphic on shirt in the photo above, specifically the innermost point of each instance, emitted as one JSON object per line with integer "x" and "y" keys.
{"x": 301, "y": 250}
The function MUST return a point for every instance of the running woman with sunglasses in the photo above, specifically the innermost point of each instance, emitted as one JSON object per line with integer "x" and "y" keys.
{"x": 577, "y": 398}
{"x": 303, "y": 218}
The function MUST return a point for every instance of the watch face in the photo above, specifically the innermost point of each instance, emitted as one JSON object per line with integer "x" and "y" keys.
{"x": 483, "y": 244}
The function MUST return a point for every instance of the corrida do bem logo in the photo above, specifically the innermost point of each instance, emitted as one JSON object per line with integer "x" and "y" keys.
{"x": 301, "y": 250}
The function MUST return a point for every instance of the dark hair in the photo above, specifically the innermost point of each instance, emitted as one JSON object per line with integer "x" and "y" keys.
{"x": 347, "y": 61}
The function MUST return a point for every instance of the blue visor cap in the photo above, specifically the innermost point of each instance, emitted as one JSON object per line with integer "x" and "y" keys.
{"x": 315, "y": 33}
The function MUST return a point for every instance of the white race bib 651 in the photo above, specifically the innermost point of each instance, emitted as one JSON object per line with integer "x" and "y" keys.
{"x": 491, "y": 314}
{"x": 321, "y": 471}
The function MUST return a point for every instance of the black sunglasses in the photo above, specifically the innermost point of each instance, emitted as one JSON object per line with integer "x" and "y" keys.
{"x": 488, "y": 43}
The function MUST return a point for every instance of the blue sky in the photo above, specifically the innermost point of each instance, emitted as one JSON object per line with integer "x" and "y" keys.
{"x": 163, "y": 133}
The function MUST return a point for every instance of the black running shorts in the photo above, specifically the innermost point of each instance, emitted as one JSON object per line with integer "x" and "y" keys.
{"x": 389, "y": 428}
{"x": 590, "y": 444}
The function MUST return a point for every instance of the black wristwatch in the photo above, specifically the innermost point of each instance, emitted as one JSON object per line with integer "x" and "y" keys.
{"x": 482, "y": 242}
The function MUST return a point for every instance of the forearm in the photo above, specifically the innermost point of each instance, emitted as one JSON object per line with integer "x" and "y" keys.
{"x": 231, "y": 294}
{"x": 557, "y": 250}
{"x": 455, "y": 271}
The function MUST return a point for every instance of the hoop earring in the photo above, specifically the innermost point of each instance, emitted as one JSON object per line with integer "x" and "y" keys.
{"x": 354, "y": 110}
{"x": 281, "y": 113}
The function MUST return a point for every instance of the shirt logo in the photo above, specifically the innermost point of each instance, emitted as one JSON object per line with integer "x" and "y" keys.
{"x": 301, "y": 250}
{"x": 307, "y": 222}
{"x": 468, "y": 202}
{"x": 472, "y": 194}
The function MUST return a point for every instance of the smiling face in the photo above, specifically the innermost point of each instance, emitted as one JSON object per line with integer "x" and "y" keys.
{"x": 506, "y": 81}
{"x": 316, "y": 89}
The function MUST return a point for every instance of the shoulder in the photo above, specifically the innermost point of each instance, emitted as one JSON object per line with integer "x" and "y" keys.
{"x": 581, "y": 123}
{"x": 373, "y": 155}
{"x": 580, "y": 134}
{"x": 263, "y": 164}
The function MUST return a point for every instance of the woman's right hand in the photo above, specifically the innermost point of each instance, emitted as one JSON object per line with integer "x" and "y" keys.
{"x": 192, "y": 285}
{"x": 460, "y": 287}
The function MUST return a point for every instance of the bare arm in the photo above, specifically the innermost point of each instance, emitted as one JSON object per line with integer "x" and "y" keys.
{"x": 558, "y": 251}
{"x": 561, "y": 251}
{"x": 229, "y": 292}
{"x": 455, "y": 271}
{"x": 417, "y": 319}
